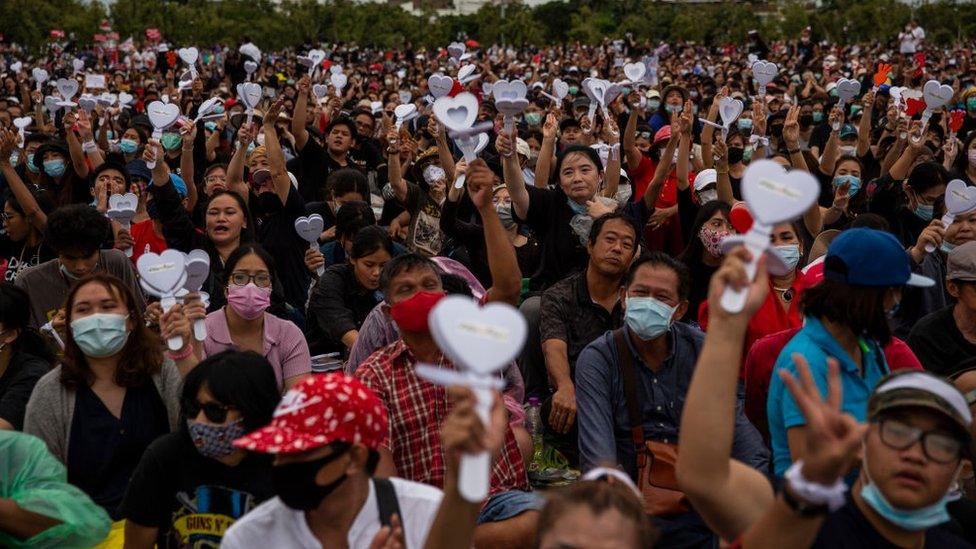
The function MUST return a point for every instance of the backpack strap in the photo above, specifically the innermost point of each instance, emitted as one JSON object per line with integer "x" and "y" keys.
{"x": 625, "y": 362}
{"x": 386, "y": 501}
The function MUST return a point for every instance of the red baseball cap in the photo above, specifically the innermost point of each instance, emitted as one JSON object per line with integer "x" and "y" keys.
{"x": 318, "y": 411}
{"x": 662, "y": 134}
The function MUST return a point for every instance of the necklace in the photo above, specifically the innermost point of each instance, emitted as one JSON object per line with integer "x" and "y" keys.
{"x": 787, "y": 293}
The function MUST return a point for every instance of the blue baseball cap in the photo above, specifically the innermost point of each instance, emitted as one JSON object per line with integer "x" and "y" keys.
{"x": 848, "y": 131}
{"x": 868, "y": 257}
{"x": 178, "y": 182}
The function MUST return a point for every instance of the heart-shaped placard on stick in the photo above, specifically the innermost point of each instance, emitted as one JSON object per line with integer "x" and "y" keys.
{"x": 16, "y": 66}
{"x": 465, "y": 73}
{"x": 250, "y": 94}
{"x": 936, "y": 94}
{"x": 162, "y": 115}
{"x": 189, "y": 55}
{"x": 440, "y": 85}
{"x": 635, "y": 71}
{"x": 847, "y": 89}
{"x": 22, "y": 122}
{"x": 320, "y": 90}
{"x": 88, "y": 103}
{"x": 316, "y": 57}
{"x": 251, "y": 51}
{"x": 40, "y": 76}
{"x": 78, "y": 65}
{"x": 67, "y": 87}
{"x": 458, "y": 113}
{"x": 764, "y": 72}
{"x": 107, "y": 99}
{"x": 481, "y": 340}
{"x": 960, "y": 198}
{"x": 339, "y": 80}
{"x": 404, "y": 96}
{"x": 51, "y": 104}
{"x": 729, "y": 109}
{"x": 456, "y": 50}
{"x": 503, "y": 89}
{"x": 560, "y": 89}
{"x": 405, "y": 112}
{"x": 164, "y": 271}
{"x": 775, "y": 195}
{"x": 197, "y": 270}
{"x": 123, "y": 202}
{"x": 310, "y": 228}
{"x": 125, "y": 99}
{"x": 250, "y": 67}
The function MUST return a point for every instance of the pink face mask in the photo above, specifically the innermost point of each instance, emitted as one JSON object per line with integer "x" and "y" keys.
{"x": 248, "y": 301}
{"x": 712, "y": 240}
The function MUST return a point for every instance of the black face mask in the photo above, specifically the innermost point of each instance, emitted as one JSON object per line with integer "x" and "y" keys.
{"x": 776, "y": 131}
{"x": 151, "y": 210}
{"x": 269, "y": 203}
{"x": 735, "y": 155}
{"x": 806, "y": 120}
{"x": 295, "y": 483}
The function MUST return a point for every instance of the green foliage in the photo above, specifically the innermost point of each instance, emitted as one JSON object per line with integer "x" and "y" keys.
{"x": 273, "y": 25}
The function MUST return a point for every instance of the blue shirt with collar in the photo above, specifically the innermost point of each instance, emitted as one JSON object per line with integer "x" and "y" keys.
{"x": 815, "y": 343}
{"x": 601, "y": 406}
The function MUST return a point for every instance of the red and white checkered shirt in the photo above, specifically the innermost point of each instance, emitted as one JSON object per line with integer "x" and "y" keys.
{"x": 416, "y": 409}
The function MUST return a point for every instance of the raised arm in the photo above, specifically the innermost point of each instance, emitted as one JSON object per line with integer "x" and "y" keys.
{"x": 443, "y": 147}
{"x": 186, "y": 166}
{"x": 631, "y": 153}
{"x": 900, "y": 169}
{"x": 298, "y": 118}
{"x": 812, "y": 218}
{"x": 832, "y": 148}
{"x": 661, "y": 173}
{"x": 611, "y": 176}
{"x": 75, "y": 149}
{"x": 506, "y": 278}
{"x": 26, "y": 200}
{"x": 729, "y": 495}
{"x": 394, "y": 173}
{"x": 276, "y": 157}
{"x": 708, "y": 131}
{"x": 505, "y": 145}
{"x": 722, "y": 182}
{"x": 684, "y": 144}
{"x": 864, "y": 128}
{"x": 235, "y": 170}
{"x": 547, "y": 151}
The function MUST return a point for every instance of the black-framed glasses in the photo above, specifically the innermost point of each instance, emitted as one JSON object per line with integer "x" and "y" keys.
{"x": 215, "y": 412}
{"x": 939, "y": 447}
{"x": 261, "y": 280}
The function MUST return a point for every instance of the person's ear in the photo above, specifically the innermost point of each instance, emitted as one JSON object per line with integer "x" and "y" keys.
{"x": 358, "y": 456}
{"x": 953, "y": 288}
{"x": 679, "y": 313}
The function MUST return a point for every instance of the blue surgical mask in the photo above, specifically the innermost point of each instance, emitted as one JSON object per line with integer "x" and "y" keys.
{"x": 55, "y": 167}
{"x": 100, "y": 335}
{"x": 673, "y": 109}
{"x": 533, "y": 118}
{"x": 218, "y": 109}
{"x": 745, "y": 123}
{"x": 30, "y": 163}
{"x": 653, "y": 104}
{"x": 128, "y": 146}
{"x": 925, "y": 211}
{"x": 853, "y": 180}
{"x": 579, "y": 209}
{"x": 573, "y": 90}
{"x": 914, "y": 520}
{"x": 648, "y": 317}
{"x": 790, "y": 254}
{"x": 211, "y": 126}
{"x": 817, "y": 117}
{"x": 947, "y": 246}
{"x": 14, "y": 157}
{"x": 109, "y": 134}
{"x": 250, "y": 148}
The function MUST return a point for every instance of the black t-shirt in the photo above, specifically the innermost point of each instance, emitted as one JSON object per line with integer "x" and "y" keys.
{"x": 103, "y": 450}
{"x": 192, "y": 499}
{"x": 938, "y": 343}
{"x": 16, "y": 257}
{"x": 16, "y": 385}
{"x": 338, "y": 304}
{"x": 278, "y": 236}
{"x": 315, "y": 164}
{"x": 848, "y": 527}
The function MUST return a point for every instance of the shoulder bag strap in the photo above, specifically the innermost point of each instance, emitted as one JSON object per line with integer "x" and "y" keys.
{"x": 386, "y": 501}
{"x": 626, "y": 364}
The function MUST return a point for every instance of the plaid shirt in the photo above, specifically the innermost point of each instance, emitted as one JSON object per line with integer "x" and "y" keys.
{"x": 416, "y": 410}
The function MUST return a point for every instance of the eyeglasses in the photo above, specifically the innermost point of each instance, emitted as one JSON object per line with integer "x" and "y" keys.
{"x": 261, "y": 280}
{"x": 938, "y": 447}
{"x": 214, "y": 178}
{"x": 215, "y": 412}
{"x": 645, "y": 135}
{"x": 4, "y": 216}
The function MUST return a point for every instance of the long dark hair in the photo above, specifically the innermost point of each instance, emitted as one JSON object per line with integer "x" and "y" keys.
{"x": 278, "y": 306}
{"x": 139, "y": 359}
{"x": 859, "y": 308}
{"x": 692, "y": 254}
{"x": 244, "y": 380}
{"x": 15, "y": 315}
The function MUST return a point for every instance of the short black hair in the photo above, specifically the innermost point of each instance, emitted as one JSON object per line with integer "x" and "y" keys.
{"x": 871, "y": 221}
{"x": 859, "y": 308}
{"x": 403, "y": 263}
{"x": 15, "y": 315}
{"x": 244, "y": 380}
{"x": 370, "y": 240}
{"x": 661, "y": 259}
{"x": 347, "y": 122}
{"x": 345, "y": 181}
{"x": 77, "y": 228}
{"x": 599, "y": 222}
{"x": 352, "y": 217}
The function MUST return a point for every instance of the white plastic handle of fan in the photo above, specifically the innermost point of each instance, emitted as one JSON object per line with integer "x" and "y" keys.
{"x": 320, "y": 270}
{"x": 174, "y": 343}
{"x": 947, "y": 220}
{"x": 756, "y": 241}
{"x": 473, "y": 474}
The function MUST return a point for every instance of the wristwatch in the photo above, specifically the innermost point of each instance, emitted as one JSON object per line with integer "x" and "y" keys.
{"x": 800, "y": 507}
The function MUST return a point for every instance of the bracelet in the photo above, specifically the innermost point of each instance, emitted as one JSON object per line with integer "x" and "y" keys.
{"x": 722, "y": 172}
{"x": 812, "y": 492}
{"x": 793, "y": 151}
{"x": 177, "y": 356}
{"x": 89, "y": 146}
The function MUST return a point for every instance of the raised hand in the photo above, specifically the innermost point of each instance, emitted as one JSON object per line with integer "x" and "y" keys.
{"x": 791, "y": 128}
{"x": 550, "y": 127}
{"x": 479, "y": 180}
{"x": 732, "y": 274}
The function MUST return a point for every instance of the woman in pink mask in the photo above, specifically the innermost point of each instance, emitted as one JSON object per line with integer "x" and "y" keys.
{"x": 246, "y": 323}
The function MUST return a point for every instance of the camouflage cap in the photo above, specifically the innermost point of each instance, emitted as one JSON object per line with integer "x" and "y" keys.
{"x": 916, "y": 389}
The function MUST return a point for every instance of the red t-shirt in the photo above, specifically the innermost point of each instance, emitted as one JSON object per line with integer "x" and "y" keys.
{"x": 642, "y": 175}
{"x": 144, "y": 239}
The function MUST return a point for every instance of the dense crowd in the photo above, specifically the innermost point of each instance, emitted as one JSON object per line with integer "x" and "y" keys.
{"x": 323, "y": 211}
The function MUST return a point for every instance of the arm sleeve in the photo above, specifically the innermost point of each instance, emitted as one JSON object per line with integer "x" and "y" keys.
{"x": 368, "y": 375}
{"x": 42, "y": 418}
{"x": 747, "y": 443}
{"x": 594, "y": 413}
{"x": 13, "y": 403}
{"x": 146, "y": 497}
{"x": 687, "y": 211}
{"x": 552, "y": 319}
{"x": 328, "y": 306}
{"x": 298, "y": 360}
{"x": 540, "y": 203}
{"x": 178, "y": 228}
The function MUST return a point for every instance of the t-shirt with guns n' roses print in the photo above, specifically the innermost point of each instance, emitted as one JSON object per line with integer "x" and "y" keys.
{"x": 425, "y": 236}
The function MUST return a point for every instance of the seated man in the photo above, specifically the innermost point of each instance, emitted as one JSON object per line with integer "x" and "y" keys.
{"x": 77, "y": 233}
{"x": 660, "y": 361}
{"x": 947, "y": 337}
{"x": 576, "y": 311}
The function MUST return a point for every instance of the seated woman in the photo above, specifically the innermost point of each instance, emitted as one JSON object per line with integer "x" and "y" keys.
{"x": 112, "y": 395}
{"x": 248, "y": 321}
{"x": 194, "y": 476}
{"x": 346, "y": 293}
{"x": 24, "y": 356}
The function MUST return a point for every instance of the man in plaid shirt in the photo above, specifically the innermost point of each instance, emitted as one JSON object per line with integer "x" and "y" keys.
{"x": 412, "y": 450}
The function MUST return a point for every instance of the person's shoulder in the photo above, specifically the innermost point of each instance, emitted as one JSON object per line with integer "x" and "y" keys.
{"x": 255, "y": 528}
{"x": 563, "y": 288}
{"x": 381, "y": 359}
{"x": 416, "y": 492}
{"x": 116, "y": 258}
{"x": 934, "y": 319}
{"x": 50, "y": 383}
{"x": 943, "y": 538}
{"x": 37, "y": 273}
{"x": 689, "y": 333}
{"x": 168, "y": 448}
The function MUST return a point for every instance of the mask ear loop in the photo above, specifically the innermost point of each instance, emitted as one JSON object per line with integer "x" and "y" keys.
{"x": 953, "y": 493}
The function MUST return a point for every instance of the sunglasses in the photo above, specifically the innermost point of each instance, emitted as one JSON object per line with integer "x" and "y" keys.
{"x": 215, "y": 412}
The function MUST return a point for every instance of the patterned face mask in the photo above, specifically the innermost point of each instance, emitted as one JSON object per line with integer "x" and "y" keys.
{"x": 215, "y": 441}
{"x": 712, "y": 240}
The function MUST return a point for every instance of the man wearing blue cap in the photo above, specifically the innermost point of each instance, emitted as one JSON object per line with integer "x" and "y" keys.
{"x": 846, "y": 320}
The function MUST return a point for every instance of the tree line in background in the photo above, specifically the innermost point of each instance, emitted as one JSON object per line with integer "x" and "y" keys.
{"x": 274, "y": 25}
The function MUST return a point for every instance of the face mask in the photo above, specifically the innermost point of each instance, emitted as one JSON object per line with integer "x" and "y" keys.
{"x": 504, "y": 212}
{"x": 736, "y": 154}
{"x": 218, "y": 109}
{"x": 704, "y": 197}
{"x": 648, "y": 317}
{"x": 712, "y": 240}
{"x": 817, "y": 117}
{"x": 172, "y": 141}
{"x": 248, "y": 301}
{"x": 573, "y": 90}
{"x": 295, "y": 483}
{"x": 848, "y": 150}
{"x": 110, "y": 135}
{"x": 30, "y": 163}
{"x": 210, "y": 126}
{"x": 215, "y": 441}
{"x": 915, "y": 520}
{"x": 745, "y": 123}
{"x": 971, "y": 155}
{"x": 578, "y": 209}
{"x": 100, "y": 335}
{"x": 250, "y": 148}
{"x": 533, "y": 118}
{"x": 128, "y": 146}
{"x": 411, "y": 314}
{"x": 54, "y": 168}
{"x": 14, "y": 157}
{"x": 971, "y": 103}
{"x": 925, "y": 211}
{"x": 854, "y": 181}
{"x": 433, "y": 174}
{"x": 947, "y": 246}
{"x": 653, "y": 104}
{"x": 747, "y": 154}
{"x": 673, "y": 109}
{"x": 790, "y": 254}
{"x": 806, "y": 119}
